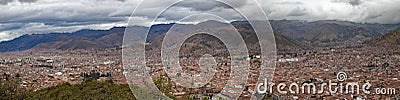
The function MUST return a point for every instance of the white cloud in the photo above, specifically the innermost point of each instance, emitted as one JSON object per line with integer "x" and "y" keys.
{"x": 369, "y": 11}
{"x": 20, "y": 17}
{"x": 49, "y": 16}
{"x": 4, "y": 36}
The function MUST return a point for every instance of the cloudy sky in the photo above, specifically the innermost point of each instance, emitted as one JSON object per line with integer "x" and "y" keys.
{"x": 19, "y": 17}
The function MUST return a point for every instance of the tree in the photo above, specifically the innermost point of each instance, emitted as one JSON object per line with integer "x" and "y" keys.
{"x": 9, "y": 89}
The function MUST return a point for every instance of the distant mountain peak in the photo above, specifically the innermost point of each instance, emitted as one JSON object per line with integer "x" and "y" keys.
{"x": 388, "y": 39}
{"x": 292, "y": 31}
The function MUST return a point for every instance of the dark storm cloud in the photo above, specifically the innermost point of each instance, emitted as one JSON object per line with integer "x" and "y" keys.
{"x": 46, "y": 16}
{"x": 11, "y": 26}
{"x": 5, "y": 1}
{"x": 18, "y": 17}
{"x": 205, "y": 5}
{"x": 355, "y": 2}
{"x": 351, "y": 2}
{"x": 27, "y": 1}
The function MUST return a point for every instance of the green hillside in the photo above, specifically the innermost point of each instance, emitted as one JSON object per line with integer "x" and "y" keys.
{"x": 91, "y": 90}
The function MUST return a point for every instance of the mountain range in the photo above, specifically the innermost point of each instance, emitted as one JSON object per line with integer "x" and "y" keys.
{"x": 288, "y": 33}
{"x": 392, "y": 38}
{"x": 330, "y": 30}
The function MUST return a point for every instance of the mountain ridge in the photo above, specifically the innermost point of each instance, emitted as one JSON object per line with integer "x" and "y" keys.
{"x": 292, "y": 32}
{"x": 392, "y": 38}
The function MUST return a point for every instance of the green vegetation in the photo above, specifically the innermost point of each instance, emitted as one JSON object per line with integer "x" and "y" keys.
{"x": 91, "y": 90}
{"x": 268, "y": 97}
{"x": 165, "y": 88}
{"x": 9, "y": 89}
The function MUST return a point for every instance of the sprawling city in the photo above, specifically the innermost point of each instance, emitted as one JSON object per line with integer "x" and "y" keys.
{"x": 326, "y": 58}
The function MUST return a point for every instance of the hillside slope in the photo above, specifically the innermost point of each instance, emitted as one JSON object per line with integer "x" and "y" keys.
{"x": 77, "y": 40}
{"x": 95, "y": 39}
{"x": 388, "y": 39}
{"x": 330, "y": 30}
{"x": 87, "y": 90}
